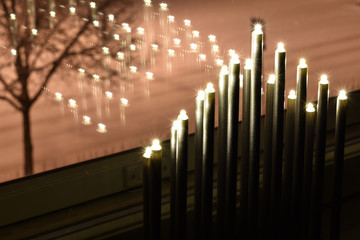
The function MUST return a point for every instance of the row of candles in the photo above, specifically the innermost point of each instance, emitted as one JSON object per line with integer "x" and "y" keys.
{"x": 287, "y": 199}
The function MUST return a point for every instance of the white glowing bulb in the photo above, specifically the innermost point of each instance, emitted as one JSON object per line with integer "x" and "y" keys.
{"x": 96, "y": 77}
{"x": 212, "y": 38}
{"x": 215, "y": 48}
{"x": 182, "y": 115}
{"x": 13, "y": 52}
{"x": 323, "y": 79}
{"x": 258, "y": 28}
{"x": 92, "y": 4}
{"x": 310, "y": 107}
{"x": 101, "y": 128}
{"x": 111, "y": 17}
{"x": 219, "y": 62}
{"x": 201, "y": 95}
{"x": 147, "y": 3}
{"x": 210, "y": 88}
{"x": 72, "y": 103}
{"x": 124, "y": 102}
{"x": 187, "y": 22}
{"x": 120, "y": 55}
{"x": 34, "y": 31}
{"x": 177, "y": 42}
{"x": 231, "y": 52}
{"x": 96, "y": 23}
{"x": 175, "y": 125}
{"x": 125, "y": 25}
{"x": 147, "y": 153}
{"x": 302, "y": 63}
{"x": 292, "y": 94}
{"x": 195, "y": 34}
{"x": 106, "y": 50}
{"x": 171, "y": 52}
{"x": 12, "y": 16}
{"x": 171, "y": 18}
{"x": 133, "y": 69}
{"x": 156, "y": 145}
{"x": 342, "y": 95}
{"x": 235, "y": 59}
{"x": 72, "y": 10}
{"x": 116, "y": 36}
{"x": 127, "y": 29}
{"x": 86, "y": 120}
{"x": 248, "y": 64}
{"x": 163, "y": 6}
{"x": 149, "y": 75}
{"x": 202, "y": 57}
{"x": 81, "y": 70}
{"x": 140, "y": 31}
{"x": 193, "y": 47}
{"x": 154, "y": 47}
{"x": 52, "y": 14}
{"x": 58, "y": 96}
{"x": 271, "y": 79}
{"x": 224, "y": 70}
{"x": 108, "y": 95}
{"x": 132, "y": 47}
{"x": 280, "y": 47}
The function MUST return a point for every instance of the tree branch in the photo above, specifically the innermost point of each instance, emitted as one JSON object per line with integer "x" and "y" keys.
{"x": 8, "y": 89}
{"x": 12, "y": 103}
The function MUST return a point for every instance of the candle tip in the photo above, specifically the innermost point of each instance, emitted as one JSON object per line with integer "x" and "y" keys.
{"x": 101, "y": 128}
{"x": 163, "y": 6}
{"x": 210, "y": 88}
{"x": 323, "y": 79}
{"x": 147, "y": 153}
{"x": 224, "y": 70}
{"x": 183, "y": 116}
{"x": 212, "y": 38}
{"x": 271, "y": 79}
{"x": 310, "y": 107}
{"x": 292, "y": 94}
{"x": 174, "y": 127}
{"x": 302, "y": 63}
{"x": 201, "y": 95}
{"x": 258, "y": 28}
{"x": 280, "y": 47}
{"x": 156, "y": 145}
{"x": 187, "y": 22}
{"x": 248, "y": 63}
{"x": 342, "y": 95}
{"x": 235, "y": 59}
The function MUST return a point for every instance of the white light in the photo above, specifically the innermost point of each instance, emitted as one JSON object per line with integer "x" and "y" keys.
{"x": 201, "y": 95}
{"x": 124, "y": 102}
{"x": 58, "y": 96}
{"x": 195, "y": 34}
{"x": 271, "y": 79}
{"x": 86, "y": 120}
{"x": 219, "y": 62}
{"x": 96, "y": 78}
{"x": 323, "y": 79}
{"x": 13, "y": 52}
{"x": 156, "y": 145}
{"x": 111, "y": 17}
{"x": 149, "y": 75}
{"x": 120, "y": 55}
{"x": 154, "y": 47}
{"x": 202, "y": 57}
{"x": 193, "y": 47}
{"x": 215, "y": 48}
{"x": 163, "y": 6}
{"x": 116, "y": 36}
{"x": 92, "y": 4}
{"x": 106, "y": 50}
{"x": 52, "y": 14}
{"x": 12, "y": 16}
{"x": 177, "y": 42}
{"x": 187, "y": 22}
{"x": 235, "y": 59}
{"x": 96, "y": 23}
{"x": 280, "y": 47}
{"x": 258, "y": 28}
{"x": 125, "y": 25}
{"x": 292, "y": 94}
{"x": 133, "y": 69}
{"x": 182, "y": 115}
{"x": 81, "y": 70}
{"x": 108, "y": 95}
{"x": 147, "y": 3}
{"x": 175, "y": 124}
{"x": 171, "y": 18}
{"x": 101, "y": 128}
{"x": 342, "y": 95}
{"x": 171, "y": 52}
{"x": 132, "y": 47}
{"x": 147, "y": 153}
{"x": 231, "y": 52}
{"x": 224, "y": 70}
{"x": 127, "y": 29}
{"x": 212, "y": 38}
{"x": 210, "y": 88}
{"x": 302, "y": 63}
{"x": 140, "y": 31}
{"x": 72, "y": 10}
{"x": 310, "y": 107}
{"x": 34, "y": 31}
{"x": 248, "y": 64}
{"x": 72, "y": 103}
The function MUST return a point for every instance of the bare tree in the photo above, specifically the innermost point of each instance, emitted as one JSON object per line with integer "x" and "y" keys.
{"x": 39, "y": 37}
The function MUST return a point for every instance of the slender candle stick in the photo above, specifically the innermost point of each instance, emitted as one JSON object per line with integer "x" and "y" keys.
{"x": 266, "y": 200}
{"x": 232, "y": 142}
{"x": 278, "y": 129}
{"x": 308, "y": 164}
{"x": 221, "y": 176}
{"x": 244, "y": 167}
{"x": 199, "y": 115}
{"x": 181, "y": 175}
{"x": 299, "y": 146}
{"x": 173, "y": 142}
{"x": 207, "y": 162}
{"x": 320, "y": 141}
{"x": 340, "y": 127}
{"x": 254, "y": 128}
{"x": 288, "y": 163}
{"x": 155, "y": 191}
{"x": 146, "y": 192}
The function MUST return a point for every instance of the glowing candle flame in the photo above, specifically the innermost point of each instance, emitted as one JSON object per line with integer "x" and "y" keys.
{"x": 248, "y": 64}
{"x": 127, "y": 29}
{"x": 149, "y": 75}
{"x": 156, "y": 145}
{"x": 132, "y": 47}
{"x": 187, "y": 22}
{"x": 111, "y": 17}
{"x": 182, "y": 115}
{"x": 86, "y": 120}
{"x": 280, "y": 47}
{"x": 34, "y": 31}
{"x": 116, "y": 36}
{"x": 323, "y": 79}
{"x": 235, "y": 59}
{"x": 106, "y": 50}
{"x": 342, "y": 95}
{"x": 81, "y": 70}
{"x": 101, "y": 128}
{"x": 12, "y": 16}
{"x": 125, "y": 25}
{"x": 302, "y": 63}
{"x": 92, "y": 5}
{"x": 271, "y": 79}
{"x": 193, "y": 47}
{"x": 219, "y": 62}
{"x": 96, "y": 23}
{"x": 163, "y": 6}
{"x": 310, "y": 107}
{"x": 133, "y": 69}
{"x": 171, "y": 52}
{"x": 171, "y": 18}
{"x": 140, "y": 31}
{"x": 52, "y": 14}
{"x": 231, "y": 52}
{"x": 72, "y": 10}
{"x": 177, "y": 42}
{"x": 212, "y": 38}
{"x": 258, "y": 28}
{"x": 154, "y": 47}
{"x": 58, "y": 96}
{"x": 147, "y": 153}
{"x": 224, "y": 70}
{"x": 147, "y": 3}
{"x": 210, "y": 88}
{"x": 13, "y": 52}
{"x": 201, "y": 95}
{"x": 108, "y": 95}
{"x": 124, "y": 102}
{"x": 72, "y": 103}
{"x": 195, "y": 34}
{"x": 215, "y": 48}
{"x": 292, "y": 94}
{"x": 96, "y": 78}
{"x": 202, "y": 57}
{"x": 120, "y": 55}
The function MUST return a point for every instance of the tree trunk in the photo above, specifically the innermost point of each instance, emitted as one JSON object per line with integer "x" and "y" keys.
{"x": 27, "y": 142}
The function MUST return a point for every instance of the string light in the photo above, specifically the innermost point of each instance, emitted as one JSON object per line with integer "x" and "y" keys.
{"x": 171, "y": 52}
{"x": 116, "y": 36}
{"x": 149, "y": 75}
{"x": 108, "y": 95}
{"x": 171, "y": 18}
{"x": 58, "y": 96}
{"x": 212, "y": 38}
{"x": 72, "y": 103}
{"x": 292, "y": 94}
{"x": 187, "y": 22}
{"x": 86, "y": 120}
{"x": 124, "y": 102}
{"x": 101, "y": 128}
{"x": 202, "y": 57}
{"x": 133, "y": 69}
{"x": 111, "y": 18}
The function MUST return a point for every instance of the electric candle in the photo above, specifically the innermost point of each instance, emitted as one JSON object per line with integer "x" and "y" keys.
{"x": 86, "y": 120}
{"x": 72, "y": 103}
{"x": 101, "y": 128}
{"x": 146, "y": 192}
{"x": 58, "y": 96}
{"x": 212, "y": 38}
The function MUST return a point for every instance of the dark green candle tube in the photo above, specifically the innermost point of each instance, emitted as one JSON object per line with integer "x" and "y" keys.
{"x": 173, "y": 142}
{"x": 146, "y": 193}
